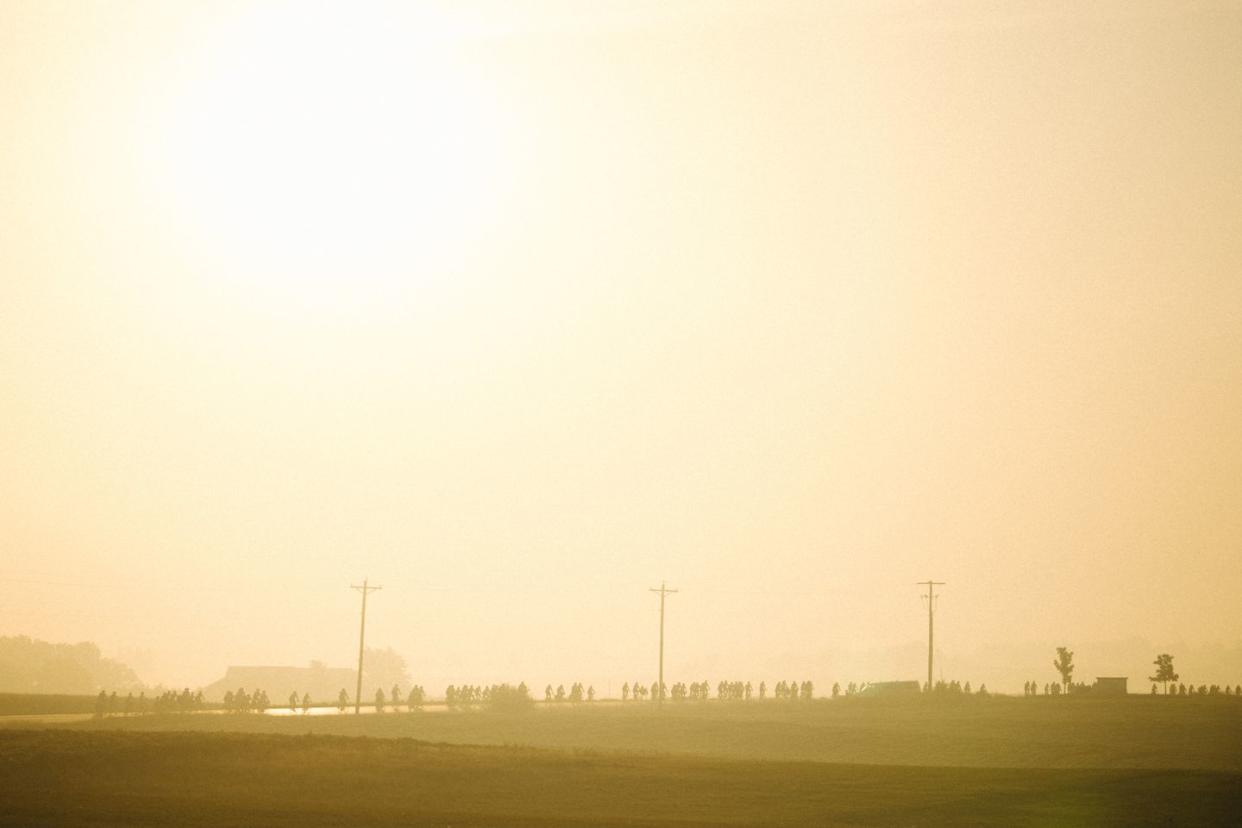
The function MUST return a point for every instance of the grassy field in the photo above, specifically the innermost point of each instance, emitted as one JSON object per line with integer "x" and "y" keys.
{"x": 44, "y": 703}
{"x": 75, "y": 777}
{"x": 1138, "y": 732}
{"x": 1138, "y": 760}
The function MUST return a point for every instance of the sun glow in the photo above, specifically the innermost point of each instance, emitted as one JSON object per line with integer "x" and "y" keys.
{"x": 313, "y": 152}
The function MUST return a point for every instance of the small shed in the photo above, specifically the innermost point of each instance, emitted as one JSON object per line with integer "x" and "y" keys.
{"x": 1110, "y": 686}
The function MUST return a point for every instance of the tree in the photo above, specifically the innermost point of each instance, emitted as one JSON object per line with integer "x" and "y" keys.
{"x": 1065, "y": 666}
{"x": 383, "y": 668}
{"x": 1164, "y": 671}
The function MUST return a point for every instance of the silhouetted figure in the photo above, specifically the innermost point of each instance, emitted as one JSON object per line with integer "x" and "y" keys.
{"x": 342, "y": 701}
{"x": 379, "y": 700}
{"x": 293, "y": 702}
{"x": 306, "y": 703}
{"x": 101, "y": 705}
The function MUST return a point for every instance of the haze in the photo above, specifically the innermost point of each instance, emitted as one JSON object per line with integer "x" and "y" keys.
{"x": 519, "y": 309}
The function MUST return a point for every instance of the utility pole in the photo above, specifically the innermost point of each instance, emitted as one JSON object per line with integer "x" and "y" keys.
{"x": 931, "y": 612}
{"x": 663, "y": 590}
{"x": 362, "y": 637}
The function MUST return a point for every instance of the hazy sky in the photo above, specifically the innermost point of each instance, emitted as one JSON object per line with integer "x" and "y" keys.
{"x": 518, "y": 308}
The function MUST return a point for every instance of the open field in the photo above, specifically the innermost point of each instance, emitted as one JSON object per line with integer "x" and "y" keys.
{"x": 109, "y": 778}
{"x": 1134, "y": 732}
{"x": 44, "y": 703}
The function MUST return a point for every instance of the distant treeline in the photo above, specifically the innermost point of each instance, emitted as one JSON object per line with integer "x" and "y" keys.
{"x": 28, "y": 665}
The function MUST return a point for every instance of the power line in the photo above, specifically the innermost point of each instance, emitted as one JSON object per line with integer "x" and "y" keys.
{"x": 931, "y": 612}
{"x": 362, "y": 637}
{"x": 663, "y": 590}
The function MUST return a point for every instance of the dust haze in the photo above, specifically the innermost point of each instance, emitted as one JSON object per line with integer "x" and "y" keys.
{"x": 522, "y": 310}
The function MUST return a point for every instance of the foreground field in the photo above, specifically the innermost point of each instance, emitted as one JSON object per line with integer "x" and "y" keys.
{"x": 209, "y": 779}
{"x": 1136, "y": 732}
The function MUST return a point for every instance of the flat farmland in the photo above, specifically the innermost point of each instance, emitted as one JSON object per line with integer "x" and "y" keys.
{"x": 97, "y": 778}
{"x": 1139, "y": 732}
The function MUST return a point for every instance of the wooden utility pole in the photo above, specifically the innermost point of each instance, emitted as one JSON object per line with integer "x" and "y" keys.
{"x": 931, "y": 613}
{"x": 663, "y": 590}
{"x": 362, "y": 637}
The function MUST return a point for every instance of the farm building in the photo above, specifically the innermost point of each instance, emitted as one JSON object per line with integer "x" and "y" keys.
{"x": 892, "y": 688}
{"x": 1110, "y": 686}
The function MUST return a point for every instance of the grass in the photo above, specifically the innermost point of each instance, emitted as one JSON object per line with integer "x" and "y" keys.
{"x": 44, "y": 703}
{"x": 109, "y": 777}
{"x": 1138, "y": 732}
